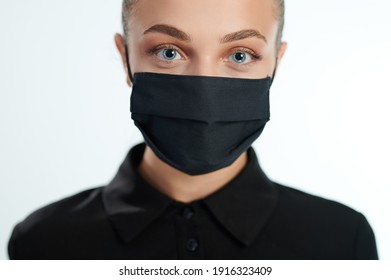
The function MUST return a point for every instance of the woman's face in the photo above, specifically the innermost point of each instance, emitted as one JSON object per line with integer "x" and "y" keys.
{"x": 226, "y": 38}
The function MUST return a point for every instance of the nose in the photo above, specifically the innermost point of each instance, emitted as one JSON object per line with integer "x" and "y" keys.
{"x": 204, "y": 66}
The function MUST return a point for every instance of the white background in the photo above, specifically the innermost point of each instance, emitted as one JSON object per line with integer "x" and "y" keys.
{"x": 65, "y": 124}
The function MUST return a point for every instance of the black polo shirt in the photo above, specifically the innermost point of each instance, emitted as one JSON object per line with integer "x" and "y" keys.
{"x": 251, "y": 217}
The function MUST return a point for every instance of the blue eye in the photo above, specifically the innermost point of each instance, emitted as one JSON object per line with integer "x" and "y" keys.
{"x": 169, "y": 54}
{"x": 240, "y": 57}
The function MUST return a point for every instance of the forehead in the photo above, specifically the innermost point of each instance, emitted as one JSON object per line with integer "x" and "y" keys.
{"x": 214, "y": 17}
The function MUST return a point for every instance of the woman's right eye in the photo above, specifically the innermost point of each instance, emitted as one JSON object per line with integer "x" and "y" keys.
{"x": 168, "y": 54}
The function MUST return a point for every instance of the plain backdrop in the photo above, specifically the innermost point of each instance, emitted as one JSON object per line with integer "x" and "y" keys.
{"x": 66, "y": 126}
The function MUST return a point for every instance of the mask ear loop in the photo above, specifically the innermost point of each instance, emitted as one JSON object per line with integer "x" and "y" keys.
{"x": 274, "y": 71}
{"x": 127, "y": 64}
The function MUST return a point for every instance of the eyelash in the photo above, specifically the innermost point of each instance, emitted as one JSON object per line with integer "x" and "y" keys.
{"x": 154, "y": 50}
{"x": 255, "y": 57}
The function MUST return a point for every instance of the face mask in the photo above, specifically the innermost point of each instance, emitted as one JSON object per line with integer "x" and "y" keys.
{"x": 199, "y": 124}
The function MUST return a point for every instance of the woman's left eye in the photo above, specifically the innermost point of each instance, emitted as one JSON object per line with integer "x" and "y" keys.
{"x": 168, "y": 54}
{"x": 240, "y": 57}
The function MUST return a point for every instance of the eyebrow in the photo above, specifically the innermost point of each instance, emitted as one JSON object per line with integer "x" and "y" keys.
{"x": 242, "y": 34}
{"x": 169, "y": 30}
{"x": 183, "y": 36}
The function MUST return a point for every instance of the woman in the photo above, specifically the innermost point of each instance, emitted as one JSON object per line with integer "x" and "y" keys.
{"x": 200, "y": 72}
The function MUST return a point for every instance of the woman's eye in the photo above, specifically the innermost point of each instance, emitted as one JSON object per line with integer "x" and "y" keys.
{"x": 169, "y": 54}
{"x": 240, "y": 57}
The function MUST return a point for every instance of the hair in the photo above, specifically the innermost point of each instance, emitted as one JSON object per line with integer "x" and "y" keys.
{"x": 128, "y": 8}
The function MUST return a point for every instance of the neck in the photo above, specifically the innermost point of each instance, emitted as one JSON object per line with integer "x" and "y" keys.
{"x": 181, "y": 186}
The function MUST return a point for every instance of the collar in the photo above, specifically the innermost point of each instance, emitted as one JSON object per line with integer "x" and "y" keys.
{"x": 243, "y": 206}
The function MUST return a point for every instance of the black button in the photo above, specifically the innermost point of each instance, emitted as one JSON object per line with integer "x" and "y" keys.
{"x": 188, "y": 213}
{"x": 192, "y": 244}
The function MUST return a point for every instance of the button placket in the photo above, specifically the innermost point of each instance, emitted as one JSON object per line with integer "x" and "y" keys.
{"x": 189, "y": 244}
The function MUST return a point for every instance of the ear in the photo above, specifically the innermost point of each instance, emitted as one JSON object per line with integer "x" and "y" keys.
{"x": 120, "y": 44}
{"x": 281, "y": 52}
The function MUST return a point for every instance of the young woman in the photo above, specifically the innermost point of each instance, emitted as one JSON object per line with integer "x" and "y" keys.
{"x": 200, "y": 72}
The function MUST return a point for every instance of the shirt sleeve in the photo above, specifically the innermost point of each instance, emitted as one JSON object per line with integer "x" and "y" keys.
{"x": 12, "y": 244}
{"x": 365, "y": 244}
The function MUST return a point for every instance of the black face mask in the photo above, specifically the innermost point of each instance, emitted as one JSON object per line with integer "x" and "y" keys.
{"x": 199, "y": 124}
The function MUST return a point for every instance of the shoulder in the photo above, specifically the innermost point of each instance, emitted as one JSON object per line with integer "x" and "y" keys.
{"x": 329, "y": 224}
{"x": 75, "y": 208}
{"x": 300, "y": 201}
{"x": 48, "y": 226}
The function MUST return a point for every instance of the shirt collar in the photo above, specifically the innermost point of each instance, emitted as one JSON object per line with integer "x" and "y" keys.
{"x": 243, "y": 206}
